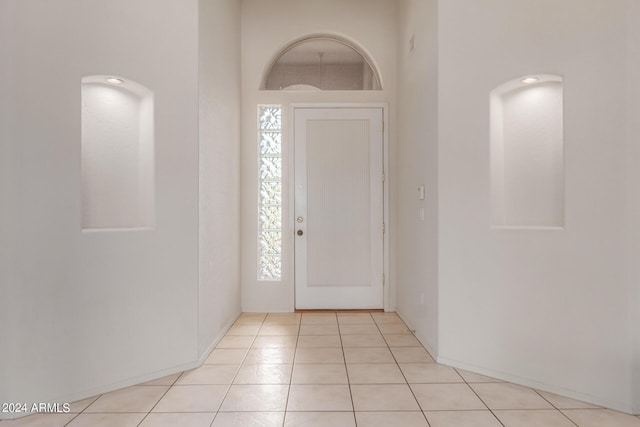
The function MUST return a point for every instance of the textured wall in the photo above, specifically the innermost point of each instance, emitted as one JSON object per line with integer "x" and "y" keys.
{"x": 92, "y": 311}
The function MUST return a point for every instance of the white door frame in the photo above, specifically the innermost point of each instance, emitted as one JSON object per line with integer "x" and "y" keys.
{"x": 291, "y": 185}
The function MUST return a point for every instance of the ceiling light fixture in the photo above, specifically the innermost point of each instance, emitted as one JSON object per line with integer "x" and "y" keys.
{"x": 529, "y": 80}
{"x": 114, "y": 80}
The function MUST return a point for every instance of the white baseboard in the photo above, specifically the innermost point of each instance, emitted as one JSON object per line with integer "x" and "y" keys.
{"x": 527, "y": 382}
{"x": 140, "y": 379}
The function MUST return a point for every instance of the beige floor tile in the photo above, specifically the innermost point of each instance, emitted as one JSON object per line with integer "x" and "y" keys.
{"x": 248, "y": 322}
{"x": 394, "y": 328}
{"x": 446, "y": 397}
{"x": 182, "y": 420}
{"x": 383, "y": 397}
{"x": 355, "y": 329}
{"x": 355, "y": 318}
{"x": 368, "y": 355}
{"x": 385, "y": 318}
{"x": 509, "y": 396}
{"x": 106, "y": 420}
{"x": 255, "y": 398}
{"x": 375, "y": 373}
{"x": 168, "y": 380}
{"x": 411, "y": 355}
{"x": 601, "y": 418}
{"x": 533, "y": 418}
{"x": 248, "y": 419}
{"x": 275, "y": 341}
{"x": 319, "y": 419}
{"x": 130, "y": 399}
{"x": 319, "y": 355}
{"x": 316, "y": 318}
{"x": 41, "y": 420}
{"x": 363, "y": 341}
{"x": 319, "y": 398}
{"x": 264, "y": 374}
{"x": 462, "y": 419}
{"x": 429, "y": 373}
{"x": 209, "y": 374}
{"x": 291, "y": 317}
{"x": 81, "y": 405}
{"x": 472, "y": 377}
{"x": 235, "y": 341}
{"x": 562, "y": 402}
{"x": 251, "y": 329}
{"x": 226, "y": 356}
{"x": 388, "y": 419}
{"x": 402, "y": 340}
{"x": 252, "y": 316}
{"x": 192, "y": 398}
{"x": 315, "y": 341}
{"x": 284, "y": 321}
{"x": 319, "y": 329}
{"x": 279, "y": 330}
{"x": 270, "y": 355}
{"x": 324, "y": 373}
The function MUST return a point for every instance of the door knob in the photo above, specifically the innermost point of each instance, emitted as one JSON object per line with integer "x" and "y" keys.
{"x": 300, "y": 233}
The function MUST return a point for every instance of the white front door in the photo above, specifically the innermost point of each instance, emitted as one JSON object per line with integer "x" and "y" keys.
{"x": 339, "y": 208}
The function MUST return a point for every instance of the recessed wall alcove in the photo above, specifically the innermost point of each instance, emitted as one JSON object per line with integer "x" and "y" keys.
{"x": 117, "y": 160}
{"x": 527, "y": 166}
{"x": 322, "y": 63}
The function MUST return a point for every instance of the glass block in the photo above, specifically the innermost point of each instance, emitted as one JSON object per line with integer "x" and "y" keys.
{"x": 270, "y": 217}
{"x": 270, "y": 143}
{"x": 270, "y": 268}
{"x": 269, "y": 117}
{"x": 271, "y": 193}
{"x": 270, "y": 169}
{"x": 270, "y": 243}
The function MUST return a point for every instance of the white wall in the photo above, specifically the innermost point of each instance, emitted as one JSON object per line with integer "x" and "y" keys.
{"x": 267, "y": 27}
{"x": 8, "y": 210}
{"x": 94, "y": 311}
{"x": 633, "y": 179}
{"x": 219, "y": 296}
{"x": 417, "y": 164}
{"x": 543, "y": 308}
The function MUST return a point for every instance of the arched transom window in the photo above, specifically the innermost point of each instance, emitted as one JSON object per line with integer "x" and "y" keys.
{"x": 322, "y": 63}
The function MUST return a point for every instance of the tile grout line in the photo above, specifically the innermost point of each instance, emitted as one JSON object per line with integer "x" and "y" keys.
{"x": 344, "y": 359}
{"x": 476, "y": 393}
{"x": 401, "y": 371}
{"x": 85, "y": 408}
{"x": 255, "y": 336}
{"x": 293, "y": 366}
{"x": 555, "y": 407}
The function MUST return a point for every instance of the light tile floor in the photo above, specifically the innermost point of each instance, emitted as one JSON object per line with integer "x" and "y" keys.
{"x": 327, "y": 369}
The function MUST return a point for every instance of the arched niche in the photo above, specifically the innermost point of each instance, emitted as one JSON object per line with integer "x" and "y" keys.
{"x": 527, "y": 154}
{"x": 322, "y": 63}
{"x": 117, "y": 154}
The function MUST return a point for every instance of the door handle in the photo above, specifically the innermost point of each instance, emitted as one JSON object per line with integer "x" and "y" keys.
{"x": 300, "y": 233}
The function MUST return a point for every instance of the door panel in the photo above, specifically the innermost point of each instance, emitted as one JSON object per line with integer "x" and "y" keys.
{"x": 339, "y": 208}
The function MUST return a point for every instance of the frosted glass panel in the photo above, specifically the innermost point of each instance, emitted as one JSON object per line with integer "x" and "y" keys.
{"x": 338, "y": 203}
{"x": 270, "y": 118}
{"x": 527, "y": 181}
{"x": 117, "y": 155}
{"x": 269, "y": 192}
{"x": 270, "y": 143}
{"x": 270, "y": 169}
